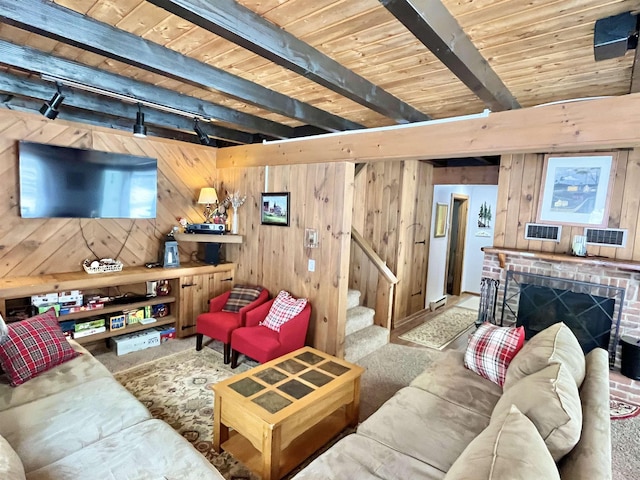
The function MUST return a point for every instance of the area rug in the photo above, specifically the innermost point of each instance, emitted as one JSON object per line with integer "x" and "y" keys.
{"x": 471, "y": 303}
{"x": 619, "y": 409}
{"x": 177, "y": 389}
{"x": 442, "y": 329}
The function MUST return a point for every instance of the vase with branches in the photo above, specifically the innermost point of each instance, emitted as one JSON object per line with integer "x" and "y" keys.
{"x": 235, "y": 201}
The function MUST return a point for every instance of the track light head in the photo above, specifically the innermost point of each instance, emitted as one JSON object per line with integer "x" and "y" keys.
{"x": 140, "y": 129}
{"x": 202, "y": 136}
{"x": 50, "y": 109}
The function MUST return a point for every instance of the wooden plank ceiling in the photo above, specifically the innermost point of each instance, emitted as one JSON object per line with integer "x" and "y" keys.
{"x": 264, "y": 69}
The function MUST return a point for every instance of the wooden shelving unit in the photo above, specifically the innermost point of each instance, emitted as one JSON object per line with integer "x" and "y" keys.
{"x": 117, "y": 308}
{"x": 191, "y": 287}
{"x": 136, "y": 327}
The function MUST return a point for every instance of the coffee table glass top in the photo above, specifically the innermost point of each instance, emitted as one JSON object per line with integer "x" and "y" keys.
{"x": 281, "y": 382}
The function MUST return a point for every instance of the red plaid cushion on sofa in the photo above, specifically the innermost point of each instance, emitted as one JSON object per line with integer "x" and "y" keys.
{"x": 34, "y": 346}
{"x": 491, "y": 349}
{"x": 283, "y": 309}
{"x": 241, "y": 296}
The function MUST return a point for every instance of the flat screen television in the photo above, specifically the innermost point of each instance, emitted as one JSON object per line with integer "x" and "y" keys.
{"x": 75, "y": 183}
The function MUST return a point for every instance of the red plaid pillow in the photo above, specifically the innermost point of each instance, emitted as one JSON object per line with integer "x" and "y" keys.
{"x": 283, "y": 309}
{"x": 491, "y": 349}
{"x": 34, "y": 346}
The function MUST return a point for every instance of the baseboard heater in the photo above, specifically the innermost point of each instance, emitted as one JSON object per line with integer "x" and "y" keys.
{"x": 440, "y": 302}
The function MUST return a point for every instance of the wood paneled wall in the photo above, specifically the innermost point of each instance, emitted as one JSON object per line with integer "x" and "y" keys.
{"x": 392, "y": 211}
{"x": 275, "y": 257}
{"x": 35, "y": 246}
{"x": 519, "y": 193}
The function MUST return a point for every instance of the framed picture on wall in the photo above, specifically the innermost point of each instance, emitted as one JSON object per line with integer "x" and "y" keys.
{"x": 275, "y": 209}
{"x": 576, "y": 189}
{"x": 442, "y": 211}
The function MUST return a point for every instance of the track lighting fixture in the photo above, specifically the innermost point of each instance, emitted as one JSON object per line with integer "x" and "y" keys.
{"x": 50, "y": 109}
{"x": 203, "y": 137}
{"x": 139, "y": 129}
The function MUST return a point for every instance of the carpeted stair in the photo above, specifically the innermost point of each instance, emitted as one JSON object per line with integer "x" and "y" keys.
{"x": 361, "y": 336}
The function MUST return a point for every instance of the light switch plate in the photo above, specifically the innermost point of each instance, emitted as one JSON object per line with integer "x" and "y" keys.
{"x": 312, "y": 265}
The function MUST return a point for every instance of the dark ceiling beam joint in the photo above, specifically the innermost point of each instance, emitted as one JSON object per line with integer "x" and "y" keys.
{"x": 242, "y": 26}
{"x": 432, "y": 24}
{"x": 65, "y": 25}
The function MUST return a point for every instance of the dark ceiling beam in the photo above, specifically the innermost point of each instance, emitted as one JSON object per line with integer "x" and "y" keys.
{"x": 53, "y": 21}
{"x": 242, "y": 26}
{"x": 33, "y": 60}
{"x": 439, "y": 31}
{"x": 92, "y": 118}
{"x": 38, "y": 89}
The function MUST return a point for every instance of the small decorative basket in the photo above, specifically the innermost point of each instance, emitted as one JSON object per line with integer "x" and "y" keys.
{"x": 105, "y": 265}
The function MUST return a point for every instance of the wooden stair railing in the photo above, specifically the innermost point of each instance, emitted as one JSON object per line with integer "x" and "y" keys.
{"x": 384, "y": 293}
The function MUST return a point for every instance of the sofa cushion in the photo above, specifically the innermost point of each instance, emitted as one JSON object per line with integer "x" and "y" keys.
{"x": 554, "y": 344}
{"x": 357, "y": 457}
{"x": 241, "y": 296}
{"x": 34, "y": 346}
{"x": 449, "y": 379}
{"x": 551, "y": 401}
{"x": 424, "y": 426}
{"x": 10, "y": 465}
{"x": 58, "y": 425}
{"x": 491, "y": 349}
{"x": 148, "y": 450}
{"x": 81, "y": 369}
{"x": 509, "y": 448}
{"x": 591, "y": 457}
{"x": 283, "y": 309}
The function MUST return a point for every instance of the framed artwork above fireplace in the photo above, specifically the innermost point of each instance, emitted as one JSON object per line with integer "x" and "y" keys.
{"x": 576, "y": 189}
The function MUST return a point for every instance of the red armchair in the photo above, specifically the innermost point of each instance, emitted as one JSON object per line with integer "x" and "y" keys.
{"x": 219, "y": 325}
{"x": 263, "y": 344}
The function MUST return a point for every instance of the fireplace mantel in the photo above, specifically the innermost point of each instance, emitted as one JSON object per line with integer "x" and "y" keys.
{"x": 561, "y": 257}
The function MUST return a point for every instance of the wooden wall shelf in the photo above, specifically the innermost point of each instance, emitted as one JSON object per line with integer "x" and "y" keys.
{"x": 208, "y": 238}
{"x": 562, "y": 257}
{"x": 12, "y": 287}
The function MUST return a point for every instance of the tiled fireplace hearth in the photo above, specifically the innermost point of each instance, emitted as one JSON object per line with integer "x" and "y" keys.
{"x": 626, "y": 275}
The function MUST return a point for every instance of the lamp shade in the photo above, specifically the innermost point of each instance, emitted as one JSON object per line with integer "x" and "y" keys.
{"x": 208, "y": 195}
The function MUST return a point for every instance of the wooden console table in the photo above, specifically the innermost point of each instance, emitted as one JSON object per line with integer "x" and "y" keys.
{"x": 192, "y": 285}
{"x": 286, "y": 409}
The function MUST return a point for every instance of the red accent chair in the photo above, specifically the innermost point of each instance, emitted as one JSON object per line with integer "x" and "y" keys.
{"x": 263, "y": 344}
{"x": 219, "y": 325}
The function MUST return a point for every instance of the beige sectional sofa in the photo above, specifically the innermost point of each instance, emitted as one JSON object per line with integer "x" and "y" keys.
{"x": 76, "y": 421}
{"x": 452, "y": 424}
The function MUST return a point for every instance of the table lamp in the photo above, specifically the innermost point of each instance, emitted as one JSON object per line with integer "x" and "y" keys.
{"x": 208, "y": 196}
{"x": 4, "y": 330}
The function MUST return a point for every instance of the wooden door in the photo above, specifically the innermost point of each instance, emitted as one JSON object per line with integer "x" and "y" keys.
{"x": 193, "y": 298}
{"x": 457, "y": 237}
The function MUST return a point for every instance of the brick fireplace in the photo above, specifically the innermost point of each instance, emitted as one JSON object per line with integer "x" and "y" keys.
{"x": 600, "y": 271}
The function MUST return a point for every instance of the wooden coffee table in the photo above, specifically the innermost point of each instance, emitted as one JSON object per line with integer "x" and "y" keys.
{"x": 281, "y": 412}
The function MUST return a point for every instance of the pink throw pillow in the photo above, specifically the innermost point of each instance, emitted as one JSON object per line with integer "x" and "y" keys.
{"x": 491, "y": 349}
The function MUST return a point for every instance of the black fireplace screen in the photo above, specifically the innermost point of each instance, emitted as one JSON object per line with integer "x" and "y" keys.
{"x": 592, "y": 311}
